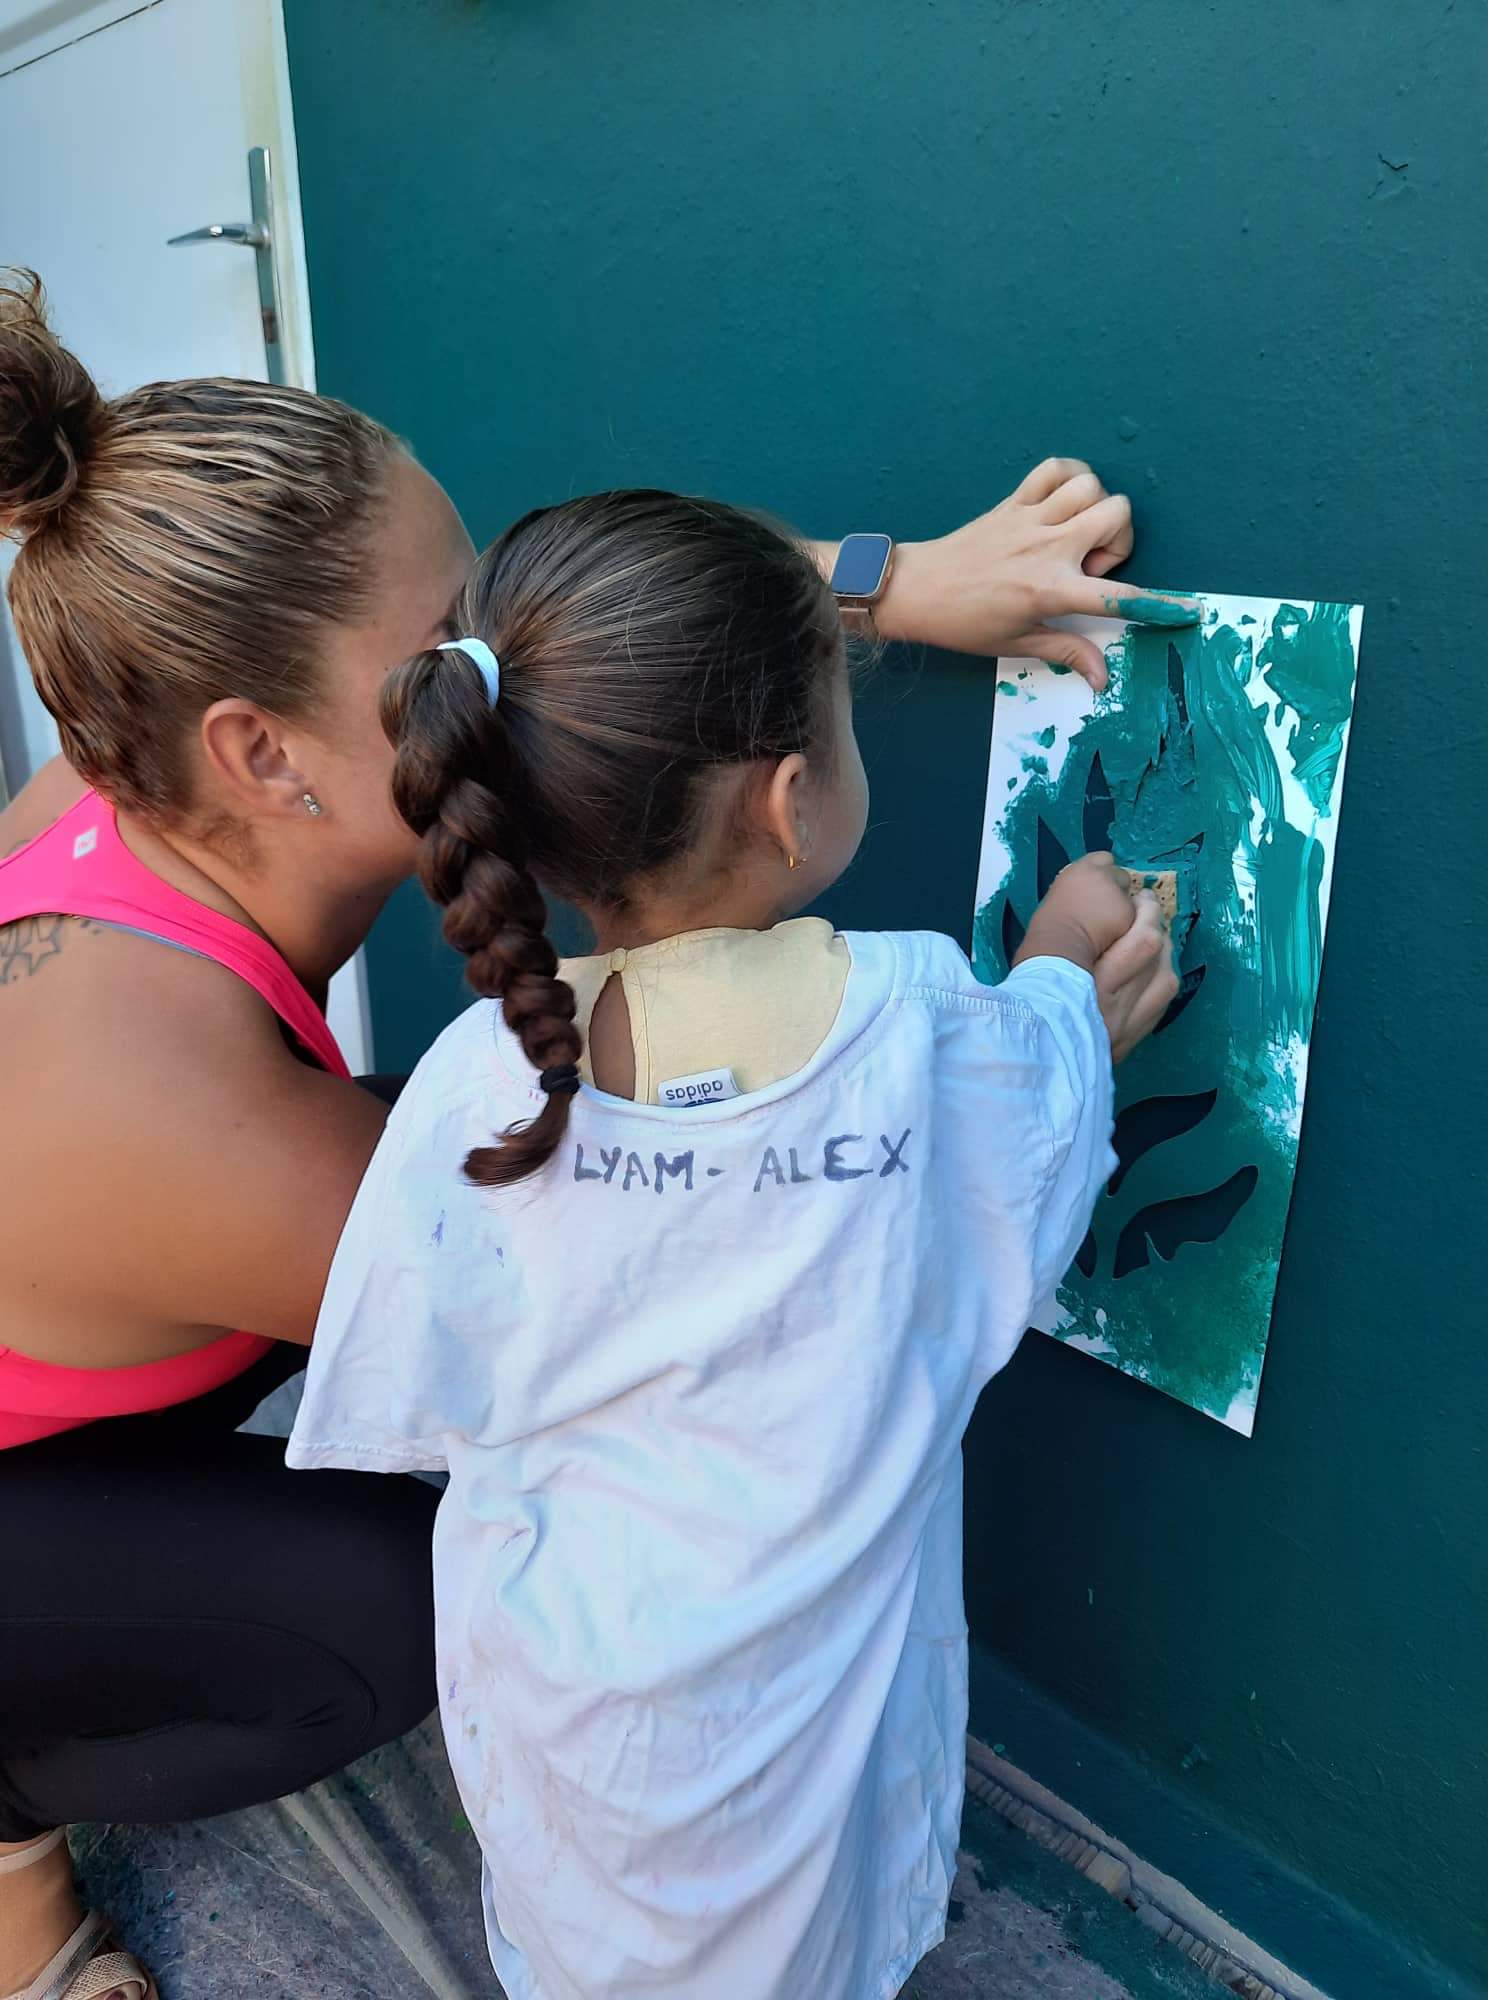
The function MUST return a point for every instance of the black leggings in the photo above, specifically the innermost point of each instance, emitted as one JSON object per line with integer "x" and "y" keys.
{"x": 188, "y": 1627}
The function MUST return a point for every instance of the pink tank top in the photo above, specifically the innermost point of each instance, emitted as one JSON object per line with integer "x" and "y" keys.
{"x": 79, "y": 867}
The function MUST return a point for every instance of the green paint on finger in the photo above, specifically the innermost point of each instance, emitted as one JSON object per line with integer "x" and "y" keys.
{"x": 1143, "y": 610}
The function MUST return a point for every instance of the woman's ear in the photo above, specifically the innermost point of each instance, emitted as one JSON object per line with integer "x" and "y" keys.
{"x": 247, "y": 751}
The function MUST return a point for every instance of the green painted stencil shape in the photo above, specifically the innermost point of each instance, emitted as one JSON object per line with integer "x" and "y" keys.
{"x": 1214, "y": 763}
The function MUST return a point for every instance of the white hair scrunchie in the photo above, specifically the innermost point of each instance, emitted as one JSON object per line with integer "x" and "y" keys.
{"x": 481, "y": 658}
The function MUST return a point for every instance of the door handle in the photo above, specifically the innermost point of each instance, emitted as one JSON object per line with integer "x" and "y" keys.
{"x": 253, "y": 234}
{"x": 257, "y": 236}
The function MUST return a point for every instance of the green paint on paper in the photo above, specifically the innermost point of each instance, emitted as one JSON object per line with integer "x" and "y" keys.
{"x": 1006, "y": 687}
{"x": 1045, "y": 736}
{"x": 1194, "y": 776}
{"x": 1321, "y": 701}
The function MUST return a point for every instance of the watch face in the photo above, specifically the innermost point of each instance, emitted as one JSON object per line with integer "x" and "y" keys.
{"x": 861, "y": 562}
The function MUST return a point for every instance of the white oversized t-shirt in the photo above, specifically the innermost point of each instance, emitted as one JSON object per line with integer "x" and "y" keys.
{"x": 700, "y": 1388}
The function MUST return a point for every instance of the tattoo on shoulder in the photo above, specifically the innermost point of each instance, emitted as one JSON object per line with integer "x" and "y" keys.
{"x": 25, "y": 947}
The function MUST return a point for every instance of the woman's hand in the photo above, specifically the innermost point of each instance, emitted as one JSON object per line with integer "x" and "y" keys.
{"x": 1044, "y": 553}
{"x": 1091, "y": 918}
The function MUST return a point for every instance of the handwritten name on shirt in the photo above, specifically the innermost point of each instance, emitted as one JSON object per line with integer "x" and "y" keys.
{"x": 848, "y": 1156}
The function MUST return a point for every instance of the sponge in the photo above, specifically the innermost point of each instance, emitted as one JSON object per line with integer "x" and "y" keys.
{"x": 1176, "y": 890}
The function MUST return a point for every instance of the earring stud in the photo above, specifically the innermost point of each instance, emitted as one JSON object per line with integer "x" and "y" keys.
{"x": 792, "y": 861}
{"x": 313, "y": 805}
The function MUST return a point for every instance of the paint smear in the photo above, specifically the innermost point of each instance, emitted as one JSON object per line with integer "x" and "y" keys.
{"x": 1218, "y": 749}
{"x": 1163, "y": 611}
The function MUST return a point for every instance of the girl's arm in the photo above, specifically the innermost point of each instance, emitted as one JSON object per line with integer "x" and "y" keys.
{"x": 989, "y": 587}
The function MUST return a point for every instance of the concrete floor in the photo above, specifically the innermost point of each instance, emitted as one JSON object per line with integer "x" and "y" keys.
{"x": 366, "y": 1887}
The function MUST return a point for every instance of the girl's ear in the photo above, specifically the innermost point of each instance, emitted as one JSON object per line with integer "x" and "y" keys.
{"x": 783, "y": 808}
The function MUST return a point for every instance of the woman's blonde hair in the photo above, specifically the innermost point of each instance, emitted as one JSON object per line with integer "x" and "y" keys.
{"x": 182, "y": 543}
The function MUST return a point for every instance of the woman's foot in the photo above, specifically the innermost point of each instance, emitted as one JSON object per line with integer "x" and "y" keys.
{"x": 89, "y": 1968}
{"x": 48, "y": 1947}
{"x": 39, "y": 1907}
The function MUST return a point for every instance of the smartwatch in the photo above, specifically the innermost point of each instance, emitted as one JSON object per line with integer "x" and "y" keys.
{"x": 860, "y": 577}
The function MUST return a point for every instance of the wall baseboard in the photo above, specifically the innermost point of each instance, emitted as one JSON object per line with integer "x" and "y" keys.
{"x": 1233, "y": 1960}
{"x": 1200, "y": 1865}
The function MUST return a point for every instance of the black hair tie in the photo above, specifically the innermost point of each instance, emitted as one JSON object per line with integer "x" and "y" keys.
{"x": 562, "y": 1080}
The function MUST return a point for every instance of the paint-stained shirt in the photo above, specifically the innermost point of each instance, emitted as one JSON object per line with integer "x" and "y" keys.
{"x": 700, "y": 1389}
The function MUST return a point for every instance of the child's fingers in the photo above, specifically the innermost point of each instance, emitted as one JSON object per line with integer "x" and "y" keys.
{"x": 1148, "y": 937}
{"x": 1096, "y": 890}
{"x": 1138, "y": 949}
{"x": 1136, "y": 979}
{"x": 1097, "y": 860}
{"x": 1152, "y": 926}
{"x": 1156, "y": 998}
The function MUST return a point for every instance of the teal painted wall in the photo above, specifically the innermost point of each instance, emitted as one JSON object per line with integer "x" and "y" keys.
{"x": 862, "y": 265}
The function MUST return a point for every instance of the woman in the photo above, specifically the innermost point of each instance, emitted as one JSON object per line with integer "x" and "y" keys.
{"x": 214, "y": 579}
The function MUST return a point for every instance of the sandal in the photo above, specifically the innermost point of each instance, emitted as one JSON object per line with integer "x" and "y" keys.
{"x": 82, "y": 1970}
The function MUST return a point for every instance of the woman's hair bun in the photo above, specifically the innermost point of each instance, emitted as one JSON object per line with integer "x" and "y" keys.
{"x": 51, "y": 414}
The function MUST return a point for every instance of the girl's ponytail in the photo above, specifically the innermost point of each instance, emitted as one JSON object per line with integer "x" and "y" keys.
{"x": 660, "y": 646}
{"x": 457, "y": 783}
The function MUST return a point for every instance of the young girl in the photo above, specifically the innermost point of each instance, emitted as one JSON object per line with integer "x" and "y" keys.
{"x": 688, "y": 1260}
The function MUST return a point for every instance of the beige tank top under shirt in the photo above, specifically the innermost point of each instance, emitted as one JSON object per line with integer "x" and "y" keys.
{"x": 757, "y": 1003}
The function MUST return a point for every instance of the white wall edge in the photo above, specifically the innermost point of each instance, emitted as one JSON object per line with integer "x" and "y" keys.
{"x": 349, "y": 1013}
{"x": 269, "y": 107}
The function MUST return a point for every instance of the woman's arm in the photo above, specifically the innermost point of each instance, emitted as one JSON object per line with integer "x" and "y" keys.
{"x": 1044, "y": 553}
{"x": 184, "y": 1170}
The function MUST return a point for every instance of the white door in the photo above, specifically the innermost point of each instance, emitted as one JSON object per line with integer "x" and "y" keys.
{"x": 122, "y": 125}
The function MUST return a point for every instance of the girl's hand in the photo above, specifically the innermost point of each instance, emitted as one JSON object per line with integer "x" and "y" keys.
{"x": 1091, "y": 918}
{"x": 1135, "y": 982}
{"x": 988, "y": 587}
{"x": 1088, "y": 908}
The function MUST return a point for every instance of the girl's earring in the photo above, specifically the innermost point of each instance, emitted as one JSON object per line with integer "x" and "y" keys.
{"x": 792, "y": 861}
{"x": 313, "y": 805}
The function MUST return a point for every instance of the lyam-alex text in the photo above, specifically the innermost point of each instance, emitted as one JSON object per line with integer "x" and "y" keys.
{"x": 846, "y": 1156}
